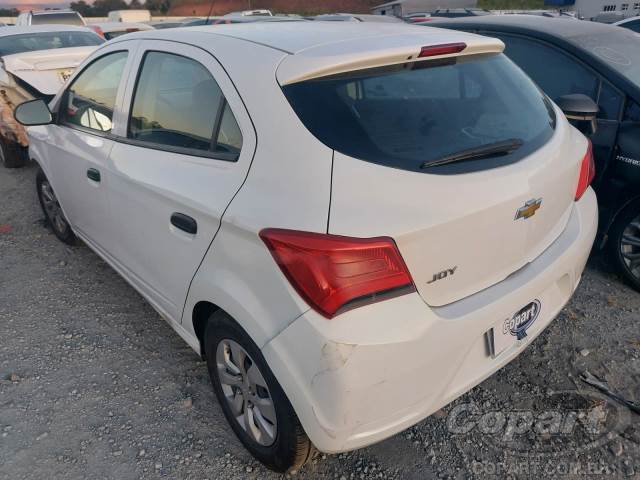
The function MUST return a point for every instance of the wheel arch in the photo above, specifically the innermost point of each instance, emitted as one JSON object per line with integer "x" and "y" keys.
{"x": 200, "y": 315}
{"x": 629, "y": 202}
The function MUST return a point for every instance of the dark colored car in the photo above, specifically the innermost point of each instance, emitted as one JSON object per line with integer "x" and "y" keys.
{"x": 460, "y": 12}
{"x": 161, "y": 25}
{"x": 632, "y": 23}
{"x": 602, "y": 62}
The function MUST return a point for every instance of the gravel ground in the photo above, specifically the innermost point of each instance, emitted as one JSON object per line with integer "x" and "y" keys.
{"x": 93, "y": 384}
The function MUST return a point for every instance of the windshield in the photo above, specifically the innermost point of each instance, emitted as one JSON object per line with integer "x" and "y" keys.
{"x": 57, "y": 18}
{"x": 30, "y": 42}
{"x": 620, "y": 49}
{"x": 411, "y": 115}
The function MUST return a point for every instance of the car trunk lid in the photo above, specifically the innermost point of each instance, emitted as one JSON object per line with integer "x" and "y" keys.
{"x": 460, "y": 234}
{"x": 461, "y": 226}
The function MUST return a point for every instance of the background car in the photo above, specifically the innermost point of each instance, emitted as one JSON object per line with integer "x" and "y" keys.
{"x": 335, "y": 211}
{"x": 417, "y": 17}
{"x": 196, "y": 22}
{"x": 109, "y": 30}
{"x": 355, "y": 17}
{"x": 251, "y": 13}
{"x": 129, "y": 15}
{"x": 460, "y": 12}
{"x": 603, "y": 62}
{"x": 161, "y": 25}
{"x": 632, "y": 23}
{"x": 231, "y": 20}
{"x": 36, "y": 61}
{"x": 50, "y": 17}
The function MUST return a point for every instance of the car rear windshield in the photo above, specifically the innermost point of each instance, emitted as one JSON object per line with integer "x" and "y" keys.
{"x": 30, "y": 42}
{"x": 407, "y": 116}
{"x": 57, "y": 18}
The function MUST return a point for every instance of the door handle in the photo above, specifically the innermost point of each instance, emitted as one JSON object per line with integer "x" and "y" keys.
{"x": 184, "y": 223}
{"x": 93, "y": 174}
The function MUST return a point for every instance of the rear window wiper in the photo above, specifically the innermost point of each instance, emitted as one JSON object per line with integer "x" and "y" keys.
{"x": 503, "y": 147}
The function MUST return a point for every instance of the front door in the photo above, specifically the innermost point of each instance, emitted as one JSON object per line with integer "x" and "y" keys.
{"x": 80, "y": 143}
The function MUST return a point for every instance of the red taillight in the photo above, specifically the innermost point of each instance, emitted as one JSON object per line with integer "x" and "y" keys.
{"x": 333, "y": 273}
{"x": 444, "y": 49}
{"x": 587, "y": 172}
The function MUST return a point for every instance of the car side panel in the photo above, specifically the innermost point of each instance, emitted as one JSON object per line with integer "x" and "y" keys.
{"x": 288, "y": 186}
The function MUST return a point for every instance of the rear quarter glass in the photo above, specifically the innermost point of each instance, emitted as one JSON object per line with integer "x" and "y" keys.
{"x": 405, "y": 115}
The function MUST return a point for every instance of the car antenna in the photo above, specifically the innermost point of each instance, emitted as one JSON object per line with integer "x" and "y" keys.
{"x": 206, "y": 22}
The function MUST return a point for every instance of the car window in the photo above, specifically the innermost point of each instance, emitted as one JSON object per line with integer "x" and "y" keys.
{"x": 609, "y": 102}
{"x": 29, "y": 42}
{"x": 633, "y": 26}
{"x": 631, "y": 112}
{"x": 65, "y": 18}
{"x": 90, "y": 100}
{"x": 178, "y": 104}
{"x": 404, "y": 116}
{"x": 554, "y": 71}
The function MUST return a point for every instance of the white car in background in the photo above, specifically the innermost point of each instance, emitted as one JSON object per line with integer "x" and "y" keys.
{"x": 111, "y": 30}
{"x": 50, "y": 17}
{"x": 34, "y": 63}
{"x": 354, "y": 224}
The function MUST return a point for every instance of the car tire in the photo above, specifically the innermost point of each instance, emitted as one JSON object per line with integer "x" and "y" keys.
{"x": 10, "y": 154}
{"x": 231, "y": 353}
{"x": 624, "y": 243}
{"x": 52, "y": 211}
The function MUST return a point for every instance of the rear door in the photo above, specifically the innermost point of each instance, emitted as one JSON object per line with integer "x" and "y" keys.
{"x": 184, "y": 150}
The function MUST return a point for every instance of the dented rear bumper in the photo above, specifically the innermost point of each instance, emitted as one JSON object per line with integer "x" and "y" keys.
{"x": 376, "y": 370}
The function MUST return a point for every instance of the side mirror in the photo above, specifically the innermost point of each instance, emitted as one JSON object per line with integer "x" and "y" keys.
{"x": 581, "y": 111}
{"x": 32, "y": 113}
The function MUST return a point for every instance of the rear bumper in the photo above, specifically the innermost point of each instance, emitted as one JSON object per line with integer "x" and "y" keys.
{"x": 376, "y": 370}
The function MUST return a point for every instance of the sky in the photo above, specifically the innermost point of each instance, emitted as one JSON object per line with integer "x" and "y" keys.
{"x": 24, "y": 4}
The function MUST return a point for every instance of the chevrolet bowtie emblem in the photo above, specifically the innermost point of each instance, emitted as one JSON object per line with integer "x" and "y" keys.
{"x": 529, "y": 209}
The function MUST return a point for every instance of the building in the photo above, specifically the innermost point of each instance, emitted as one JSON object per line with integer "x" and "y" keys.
{"x": 401, "y": 8}
{"x": 590, "y": 9}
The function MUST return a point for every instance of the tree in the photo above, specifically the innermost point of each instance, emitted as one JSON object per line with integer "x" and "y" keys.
{"x": 158, "y": 6}
{"x": 9, "y": 12}
{"x": 82, "y": 7}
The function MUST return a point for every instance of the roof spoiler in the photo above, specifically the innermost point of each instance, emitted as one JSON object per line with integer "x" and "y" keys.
{"x": 364, "y": 53}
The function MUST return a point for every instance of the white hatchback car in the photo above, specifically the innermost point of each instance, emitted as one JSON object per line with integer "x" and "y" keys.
{"x": 354, "y": 224}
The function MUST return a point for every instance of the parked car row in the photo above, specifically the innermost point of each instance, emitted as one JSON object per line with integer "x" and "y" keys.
{"x": 419, "y": 204}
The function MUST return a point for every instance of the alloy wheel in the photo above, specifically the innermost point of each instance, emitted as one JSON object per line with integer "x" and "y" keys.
{"x": 52, "y": 207}
{"x": 630, "y": 247}
{"x": 246, "y": 392}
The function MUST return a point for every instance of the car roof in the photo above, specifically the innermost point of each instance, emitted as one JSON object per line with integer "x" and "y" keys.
{"x": 12, "y": 30}
{"x": 566, "y": 33}
{"x": 117, "y": 26}
{"x": 295, "y": 36}
{"x": 314, "y": 50}
{"x": 52, "y": 12}
{"x": 566, "y": 28}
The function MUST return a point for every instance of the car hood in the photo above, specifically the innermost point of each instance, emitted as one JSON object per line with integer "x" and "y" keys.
{"x": 46, "y": 70}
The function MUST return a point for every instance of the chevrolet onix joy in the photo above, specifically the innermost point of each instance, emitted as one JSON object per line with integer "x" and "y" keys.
{"x": 325, "y": 212}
